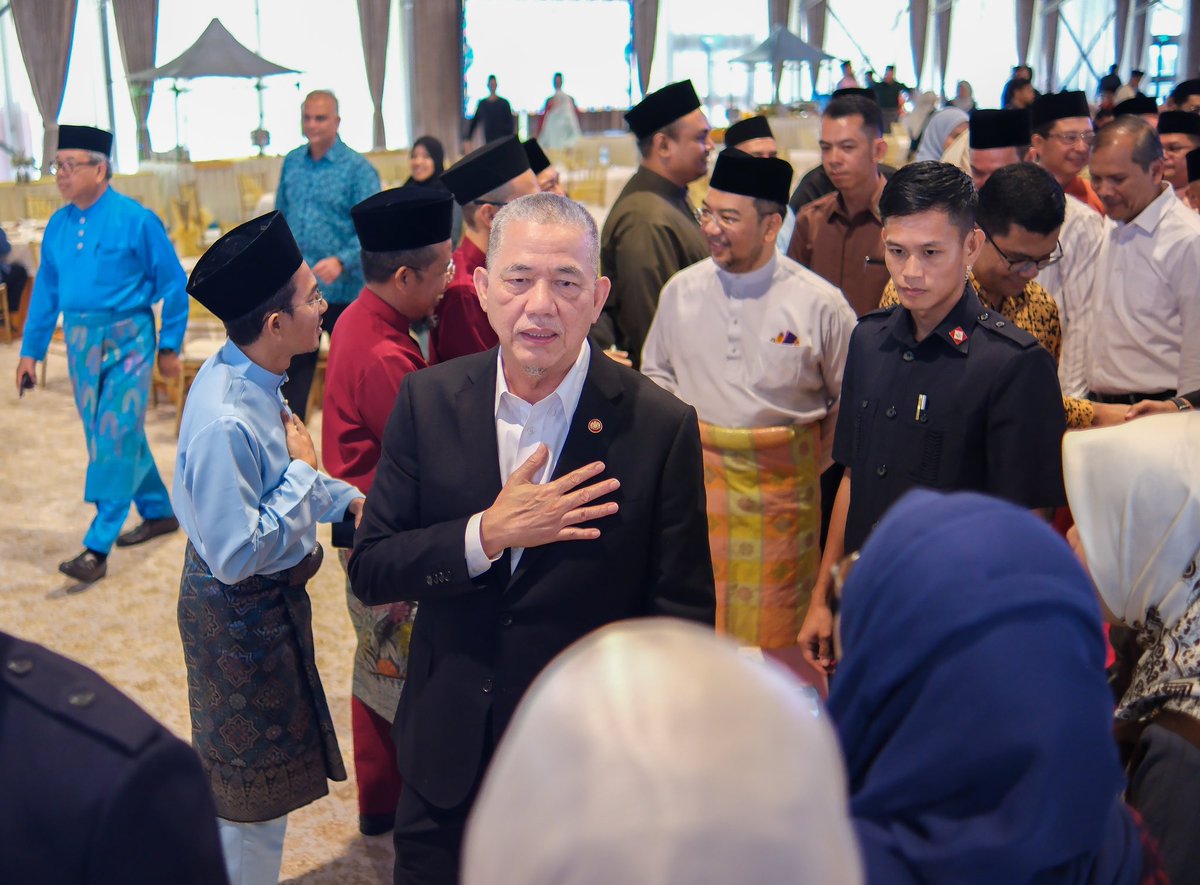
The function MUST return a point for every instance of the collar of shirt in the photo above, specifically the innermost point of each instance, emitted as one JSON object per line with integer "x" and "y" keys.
{"x": 547, "y": 420}
{"x": 1149, "y": 218}
{"x": 467, "y": 257}
{"x": 335, "y": 154}
{"x": 233, "y": 357}
{"x": 74, "y": 213}
{"x": 956, "y": 325}
{"x": 753, "y": 284}
{"x": 839, "y": 205}
{"x": 1010, "y": 305}
{"x": 376, "y": 306}
{"x": 649, "y": 180}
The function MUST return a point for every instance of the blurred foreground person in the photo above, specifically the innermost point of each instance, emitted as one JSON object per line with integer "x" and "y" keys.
{"x": 95, "y": 791}
{"x": 1134, "y": 493}
{"x": 972, "y": 704}
{"x": 619, "y": 768}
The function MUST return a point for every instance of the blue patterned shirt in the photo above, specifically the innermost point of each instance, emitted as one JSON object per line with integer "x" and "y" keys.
{"x": 112, "y": 256}
{"x": 316, "y": 197}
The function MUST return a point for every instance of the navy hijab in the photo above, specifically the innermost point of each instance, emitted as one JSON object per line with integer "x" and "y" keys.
{"x": 972, "y": 704}
{"x": 436, "y": 153}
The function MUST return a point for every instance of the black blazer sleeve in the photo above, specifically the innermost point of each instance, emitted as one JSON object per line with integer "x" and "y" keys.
{"x": 681, "y": 574}
{"x": 395, "y": 558}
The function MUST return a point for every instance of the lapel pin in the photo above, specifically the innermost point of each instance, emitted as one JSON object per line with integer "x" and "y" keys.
{"x": 958, "y": 336}
{"x": 595, "y": 426}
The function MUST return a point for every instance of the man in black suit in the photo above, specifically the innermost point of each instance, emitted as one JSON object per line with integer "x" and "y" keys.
{"x": 524, "y": 497}
{"x": 94, "y": 790}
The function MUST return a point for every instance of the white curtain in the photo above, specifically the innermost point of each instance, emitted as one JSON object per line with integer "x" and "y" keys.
{"x": 45, "y": 29}
{"x": 137, "y": 32}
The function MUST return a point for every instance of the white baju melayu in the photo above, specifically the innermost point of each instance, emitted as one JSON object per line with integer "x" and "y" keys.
{"x": 1146, "y": 318}
{"x": 718, "y": 343}
{"x": 1072, "y": 284}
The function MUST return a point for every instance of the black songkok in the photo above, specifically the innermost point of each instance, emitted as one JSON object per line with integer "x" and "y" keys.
{"x": 85, "y": 138}
{"x": 662, "y": 108}
{"x": 747, "y": 130}
{"x": 538, "y": 161}
{"x": 485, "y": 169}
{"x": 764, "y": 178}
{"x": 1139, "y": 104}
{"x": 246, "y": 267}
{"x": 1178, "y": 121}
{"x": 856, "y": 90}
{"x": 1059, "y": 105}
{"x": 403, "y": 218}
{"x": 999, "y": 129}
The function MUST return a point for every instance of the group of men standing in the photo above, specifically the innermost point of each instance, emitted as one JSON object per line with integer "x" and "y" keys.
{"x": 529, "y": 488}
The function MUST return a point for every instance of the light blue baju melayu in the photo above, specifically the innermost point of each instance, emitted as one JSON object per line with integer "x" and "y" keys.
{"x": 103, "y": 268}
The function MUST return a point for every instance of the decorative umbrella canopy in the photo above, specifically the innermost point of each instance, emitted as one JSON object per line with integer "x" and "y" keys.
{"x": 215, "y": 54}
{"x": 783, "y": 46}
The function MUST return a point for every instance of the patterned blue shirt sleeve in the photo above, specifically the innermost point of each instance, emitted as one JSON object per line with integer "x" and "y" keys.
{"x": 364, "y": 183}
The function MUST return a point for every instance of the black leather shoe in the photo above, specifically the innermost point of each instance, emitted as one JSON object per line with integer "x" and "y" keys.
{"x": 376, "y": 824}
{"x": 147, "y": 529}
{"x": 87, "y": 567}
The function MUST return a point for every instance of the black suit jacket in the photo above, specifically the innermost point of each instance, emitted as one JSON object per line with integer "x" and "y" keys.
{"x": 94, "y": 790}
{"x": 478, "y": 643}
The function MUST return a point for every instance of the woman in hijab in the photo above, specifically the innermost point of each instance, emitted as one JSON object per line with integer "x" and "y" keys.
{"x": 972, "y": 703}
{"x": 941, "y": 129}
{"x": 964, "y": 100}
{"x": 426, "y": 163}
{"x": 654, "y": 752}
{"x": 1134, "y": 490}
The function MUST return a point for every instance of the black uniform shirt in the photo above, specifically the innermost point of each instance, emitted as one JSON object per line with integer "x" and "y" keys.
{"x": 975, "y": 406}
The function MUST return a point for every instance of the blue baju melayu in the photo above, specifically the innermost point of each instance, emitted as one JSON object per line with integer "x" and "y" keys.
{"x": 103, "y": 268}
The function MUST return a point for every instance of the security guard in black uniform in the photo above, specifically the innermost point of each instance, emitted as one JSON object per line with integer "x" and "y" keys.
{"x": 939, "y": 392}
{"x": 93, "y": 789}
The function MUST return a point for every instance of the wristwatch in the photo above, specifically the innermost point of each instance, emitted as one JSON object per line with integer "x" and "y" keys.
{"x": 1181, "y": 404}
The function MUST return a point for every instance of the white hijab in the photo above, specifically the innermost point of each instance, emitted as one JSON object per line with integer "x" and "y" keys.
{"x": 653, "y": 752}
{"x": 1135, "y": 495}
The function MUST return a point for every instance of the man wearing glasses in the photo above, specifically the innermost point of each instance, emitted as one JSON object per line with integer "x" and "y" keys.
{"x": 405, "y": 237}
{"x": 105, "y": 262}
{"x": 1062, "y": 141}
{"x": 482, "y": 182}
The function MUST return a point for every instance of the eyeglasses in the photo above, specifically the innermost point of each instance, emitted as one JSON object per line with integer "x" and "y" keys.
{"x": 1025, "y": 265}
{"x": 314, "y": 301}
{"x": 704, "y": 215}
{"x": 448, "y": 273}
{"x": 68, "y": 167}
{"x": 1069, "y": 138}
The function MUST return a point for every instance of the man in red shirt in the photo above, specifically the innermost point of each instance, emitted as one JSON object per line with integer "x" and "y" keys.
{"x": 482, "y": 182}
{"x": 406, "y": 260}
{"x": 1062, "y": 140}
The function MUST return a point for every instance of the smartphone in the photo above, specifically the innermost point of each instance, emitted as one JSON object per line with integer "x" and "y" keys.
{"x": 26, "y": 384}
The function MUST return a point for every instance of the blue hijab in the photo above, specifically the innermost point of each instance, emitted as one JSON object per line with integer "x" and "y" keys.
{"x": 972, "y": 704}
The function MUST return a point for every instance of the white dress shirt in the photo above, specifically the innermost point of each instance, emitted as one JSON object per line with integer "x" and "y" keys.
{"x": 520, "y": 428}
{"x": 715, "y": 343}
{"x": 1146, "y": 323}
{"x": 1072, "y": 284}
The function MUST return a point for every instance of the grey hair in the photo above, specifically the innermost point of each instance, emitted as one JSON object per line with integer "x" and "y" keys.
{"x": 323, "y": 93}
{"x": 547, "y": 209}
{"x": 98, "y": 158}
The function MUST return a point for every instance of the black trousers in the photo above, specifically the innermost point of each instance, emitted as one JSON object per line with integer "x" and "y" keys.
{"x": 14, "y": 276}
{"x": 304, "y": 367}
{"x": 428, "y": 839}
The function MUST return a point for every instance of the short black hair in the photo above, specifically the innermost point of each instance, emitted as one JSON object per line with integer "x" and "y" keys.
{"x": 247, "y": 328}
{"x": 930, "y": 186}
{"x": 770, "y": 207}
{"x": 848, "y": 105}
{"x": 1147, "y": 146}
{"x": 380, "y": 266}
{"x": 1022, "y": 194}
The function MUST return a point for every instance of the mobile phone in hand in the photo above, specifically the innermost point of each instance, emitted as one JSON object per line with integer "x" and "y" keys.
{"x": 26, "y": 384}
